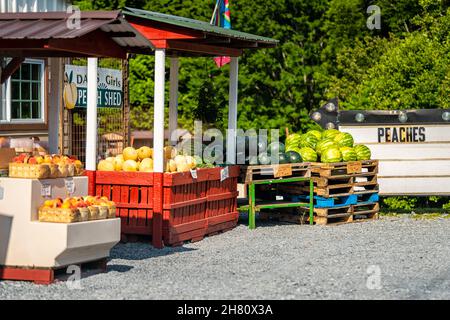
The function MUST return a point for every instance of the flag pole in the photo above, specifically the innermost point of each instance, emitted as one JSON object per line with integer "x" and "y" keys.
{"x": 215, "y": 11}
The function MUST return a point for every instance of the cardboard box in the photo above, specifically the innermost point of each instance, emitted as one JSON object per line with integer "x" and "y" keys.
{"x": 6, "y": 156}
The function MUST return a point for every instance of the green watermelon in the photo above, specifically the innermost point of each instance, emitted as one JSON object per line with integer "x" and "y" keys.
{"x": 308, "y": 154}
{"x": 276, "y": 148}
{"x": 293, "y": 140}
{"x": 344, "y": 139}
{"x": 309, "y": 140}
{"x": 348, "y": 154}
{"x": 316, "y": 133}
{"x": 330, "y": 134}
{"x": 293, "y": 148}
{"x": 363, "y": 152}
{"x": 282, "y": 158}
{"x": 331, "y": 155}
{"x": 323, "y": 144}
{"x": 294, "y": 157}
{"x": 264, "y": 158}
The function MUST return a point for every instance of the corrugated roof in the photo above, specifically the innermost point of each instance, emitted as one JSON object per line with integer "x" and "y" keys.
{"x": 56, "y": 25}
{"x": 198, "y": 25}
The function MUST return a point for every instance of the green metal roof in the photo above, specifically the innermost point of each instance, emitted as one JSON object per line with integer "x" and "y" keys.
{"x": 198, "y": 25}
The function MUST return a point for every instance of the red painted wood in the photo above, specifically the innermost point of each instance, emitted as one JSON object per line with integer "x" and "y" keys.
{"x": 124, "y": 178}
{"x": 91, "y": 182}
{"x": 153, "y": 30}
{"x": 157, "y": 236}
{"x": 39, "y": 276}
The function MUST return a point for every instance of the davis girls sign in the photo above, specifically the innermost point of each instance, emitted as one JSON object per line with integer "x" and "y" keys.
{"x": 110, "y": 87}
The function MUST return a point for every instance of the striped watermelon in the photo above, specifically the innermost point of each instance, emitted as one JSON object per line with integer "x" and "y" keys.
{"x": 348, "y": 154}
{"x": 308, "y": 154}
{"x": 363, "y": 152}
{"x": 309, "y": 140}
{"x": 293, "y": 148}
{"x": 324, "y": 144}
{"x": 344, "y": 139}
{"x": 330, "y": 134}
{"x": 316, "y": 133}
{"x": 293, "y": 140}
{"x": 331, "y": 155}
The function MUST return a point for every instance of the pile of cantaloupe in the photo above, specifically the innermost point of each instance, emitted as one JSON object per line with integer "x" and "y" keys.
{"x": 141, "y": 160}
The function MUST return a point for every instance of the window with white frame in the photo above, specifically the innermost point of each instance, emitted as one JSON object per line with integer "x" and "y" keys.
{"x": 23, "y": 94}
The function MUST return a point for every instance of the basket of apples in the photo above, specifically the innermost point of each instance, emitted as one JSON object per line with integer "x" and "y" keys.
{"x": 44, "y": 167}
{"x": 76, "y": 209}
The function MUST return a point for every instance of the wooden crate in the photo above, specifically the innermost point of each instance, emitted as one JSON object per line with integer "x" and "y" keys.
{"x": 191, "y": 208}
{"x": 273, "y": 171}
{"x": 337, "y": 190}
{"x": 336, "y": 215}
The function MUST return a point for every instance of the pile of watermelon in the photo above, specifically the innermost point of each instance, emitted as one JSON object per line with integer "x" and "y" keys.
{"x": 328, "y": 146}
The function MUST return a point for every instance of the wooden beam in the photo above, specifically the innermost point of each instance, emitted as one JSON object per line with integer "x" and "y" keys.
{"x": 96, "y": 44}
{"x": 9, "y": 70}
{"x": 153, "y": 30}
{"x": 202, "y": 48}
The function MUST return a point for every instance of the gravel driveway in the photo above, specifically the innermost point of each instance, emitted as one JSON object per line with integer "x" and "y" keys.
{"x": 394, "y": 258}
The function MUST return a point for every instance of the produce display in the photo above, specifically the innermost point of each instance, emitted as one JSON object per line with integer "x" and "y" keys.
{"x": 44, "y": 167}
{"x": 77, "y": 209}
{"x": 141, "y": 160}
{"x": 328, "y": 146}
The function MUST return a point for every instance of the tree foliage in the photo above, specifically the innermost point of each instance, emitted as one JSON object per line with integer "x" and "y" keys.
{"x": 325, "y": 50}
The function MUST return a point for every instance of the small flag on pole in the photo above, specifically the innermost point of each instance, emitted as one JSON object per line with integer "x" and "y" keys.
{"x": 222, "y": 18}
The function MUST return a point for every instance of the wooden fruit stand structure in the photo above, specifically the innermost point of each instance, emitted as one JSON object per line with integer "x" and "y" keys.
{"x": 176, "y": 207}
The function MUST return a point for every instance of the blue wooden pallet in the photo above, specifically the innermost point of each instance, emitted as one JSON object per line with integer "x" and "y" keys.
{"x": 322, "y": 203}
{"x": 368, "y": 198}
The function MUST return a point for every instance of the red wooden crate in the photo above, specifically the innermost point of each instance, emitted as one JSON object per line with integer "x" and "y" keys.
{"x": 221, "y": 207}
{"x": 133, "y": 193}
{"x": 184, "y": 206}
{"x": 191, "y": 208}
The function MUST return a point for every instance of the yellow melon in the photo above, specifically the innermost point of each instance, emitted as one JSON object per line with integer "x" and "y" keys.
{"x": 130, "y": 154}
{"x": 105, "y": 166}
{"x": 146, "y": 165}
{"x": 144, "y": 153}
{"x": 118, "y": 163}
{"x": 130, "y": 166}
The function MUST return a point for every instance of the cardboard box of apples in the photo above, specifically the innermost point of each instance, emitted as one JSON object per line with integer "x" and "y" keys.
{"x": 141, "y": 160}
{"x": 45, "y": 167}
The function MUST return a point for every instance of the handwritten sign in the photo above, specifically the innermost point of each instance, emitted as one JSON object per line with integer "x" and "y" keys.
{"x": 46, "y": 190}
{"x": 194, "y": 173}
{"x": 354, "y": 167}
{"x": 282, "y": 171}
{"x": 70, "y": 186}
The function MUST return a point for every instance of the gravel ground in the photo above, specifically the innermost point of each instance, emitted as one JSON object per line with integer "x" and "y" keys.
{"x": 394, "y": 258}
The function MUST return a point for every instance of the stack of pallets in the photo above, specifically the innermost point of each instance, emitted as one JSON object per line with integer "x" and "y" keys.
{"x": 343, "y": 193}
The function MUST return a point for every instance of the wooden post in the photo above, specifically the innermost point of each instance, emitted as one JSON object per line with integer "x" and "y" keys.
{"x": 232, "y": 110}
{"x": 173, "y": 101}
{"x": 158, "y": 147}
{"x": 91, "y": 115}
